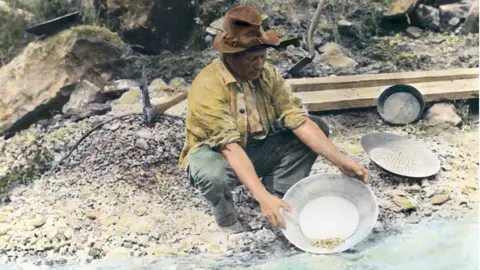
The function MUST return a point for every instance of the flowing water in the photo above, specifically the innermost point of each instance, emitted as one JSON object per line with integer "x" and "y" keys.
{"x": 450, "y": 245}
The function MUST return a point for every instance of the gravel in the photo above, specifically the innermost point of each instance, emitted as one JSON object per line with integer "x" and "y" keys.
{"x": 121, "y": 193}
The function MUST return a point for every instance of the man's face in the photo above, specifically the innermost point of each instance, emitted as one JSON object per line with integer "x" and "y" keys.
{"x": 248, "y": 65}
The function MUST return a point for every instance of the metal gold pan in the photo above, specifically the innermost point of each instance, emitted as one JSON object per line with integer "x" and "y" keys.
{"x": 329, "y": 206}
{"x": 400, "y": 155}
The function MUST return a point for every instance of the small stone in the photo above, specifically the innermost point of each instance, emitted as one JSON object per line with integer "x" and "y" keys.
{"x": 113, "y": 127}
{"x": 4, "y": 228}
{"x": 108, "y": 221}
{"x": 414, "y": 188}
{"x": 139, "y": 253}
{"x": 39, "y": 221}
{"x": 142, "y": 144}
{"x": 454, "y": 22}
{"x": 144, "y": 134}
{"x": 345, "y": 27}
{"x": 94, "y": 252}
{"x": 69, "y": 232}
{"x": 265, "y": 235}
{"x": 208, "y": 39}
{"x": 255, "y": 224}
{"x": 143, "y": 240}
{"x": 43, "y": 244}
{"x": 76, "y": 224}
{"x": 51, "y": 233}
{"x": 93, "y": 214}
{"x": 140, "y": 228}
{"x": 425, "y": 183}
{"x": 404, "y": 203}
{"x": 120, "y": 85}
{"x": 237, "y": 236}
{"x": 430, "y": 192}
{"x": 378, "y": 227}
{"x": 337, "y": 56}
{"x": 427, "y": 213}
{"x": 140, "y": 211}
{"x": 118, "y": 253}
{"x": 414, "y": 32}
{"x": 443, "y": 113}
{"x": 157, "y": 86}
{"x": 413, "y": 218}
{"x": 229, "y": 253}
{"x": 399, "y": 192}
{"x": 440, "y": 198}
{"x": 177, "y": 82}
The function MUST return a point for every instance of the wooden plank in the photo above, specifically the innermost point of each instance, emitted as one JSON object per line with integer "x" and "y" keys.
{"x": 383, "y": 79}
{"x": 367, "y": 96}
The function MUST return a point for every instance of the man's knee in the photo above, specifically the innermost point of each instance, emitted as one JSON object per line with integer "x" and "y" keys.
{"x": 209, "y": 172}
{"x": 322, "y": 124}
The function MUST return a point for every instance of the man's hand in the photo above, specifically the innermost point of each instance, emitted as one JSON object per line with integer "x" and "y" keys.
{"x": 352, "y": 168}
{"x": 243, "y": 168}
{"x": 270, "y": 206}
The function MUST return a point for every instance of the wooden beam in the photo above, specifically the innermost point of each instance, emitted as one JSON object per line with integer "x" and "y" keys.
{"x": 383, "y": 79}
{"x": 367, "y": 96}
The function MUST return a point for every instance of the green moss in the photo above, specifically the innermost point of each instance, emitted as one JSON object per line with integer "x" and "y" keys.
{"x": 11, "y": 32}
{"x": 131, "y": 97}
{"x": 440, "y": 198}
{"x": 20, "y": 141}
{"x": 66, "y": 134}
{"x": 52, "y": 50}
{"x": 403, "y": 202}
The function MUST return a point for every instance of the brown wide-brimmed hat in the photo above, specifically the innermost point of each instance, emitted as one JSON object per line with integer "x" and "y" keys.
{"x": 242, "y": 29}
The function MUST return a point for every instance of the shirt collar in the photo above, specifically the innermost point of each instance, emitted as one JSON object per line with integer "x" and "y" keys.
{"x": 225, "y": 72}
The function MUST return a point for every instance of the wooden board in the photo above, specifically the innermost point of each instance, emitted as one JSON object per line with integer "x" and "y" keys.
{"x": 367, "y": 96}
{"x": 383, "y": 79}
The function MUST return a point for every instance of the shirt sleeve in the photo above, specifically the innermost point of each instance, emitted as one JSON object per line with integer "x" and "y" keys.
{"x": 210, "y": 119}
{"x": 287, "y": 106}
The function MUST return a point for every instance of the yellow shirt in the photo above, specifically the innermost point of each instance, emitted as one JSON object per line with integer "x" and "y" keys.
{"x": 218, "y": 106}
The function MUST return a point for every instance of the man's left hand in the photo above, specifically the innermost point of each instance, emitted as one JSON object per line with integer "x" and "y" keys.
{"x": 352, "y": 168}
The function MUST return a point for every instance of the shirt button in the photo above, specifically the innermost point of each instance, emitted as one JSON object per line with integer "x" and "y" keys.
{"x": 242, "y": 110}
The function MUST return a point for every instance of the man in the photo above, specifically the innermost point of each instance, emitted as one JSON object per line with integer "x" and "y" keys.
{"x": 243, "y": 123}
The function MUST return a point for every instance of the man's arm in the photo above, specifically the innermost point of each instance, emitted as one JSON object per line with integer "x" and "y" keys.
{"x": 243, "y": 168}
{"x": 297, "y": 120}
{"x": 312, "y": 136}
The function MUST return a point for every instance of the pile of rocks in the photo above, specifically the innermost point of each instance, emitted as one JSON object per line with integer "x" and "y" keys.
{"x": 121, "y": 194}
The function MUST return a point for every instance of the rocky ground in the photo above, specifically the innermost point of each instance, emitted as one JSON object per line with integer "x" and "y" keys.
{"x": 122, "y": 194}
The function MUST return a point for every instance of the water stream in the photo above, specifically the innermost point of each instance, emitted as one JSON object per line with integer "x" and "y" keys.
{"x": 452, "y": 245}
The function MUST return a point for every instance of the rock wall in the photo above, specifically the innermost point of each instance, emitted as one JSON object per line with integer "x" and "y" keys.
{"x": 155, "y": 25}
{"x": 42, "y": 77}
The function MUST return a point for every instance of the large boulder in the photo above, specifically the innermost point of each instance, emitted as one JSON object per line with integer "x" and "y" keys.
{"x": 453, "y": 14}
{"x": 337, "y": 57}
{"x": 428, "y": 17}
{"x": 42, "y": 78}
{"x": 471, "y": 22}
{"x": 155, "y": 25}
{"x": 398, "y": 7}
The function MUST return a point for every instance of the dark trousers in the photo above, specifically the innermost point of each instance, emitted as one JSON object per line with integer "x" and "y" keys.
{"x": 281, "y": 160}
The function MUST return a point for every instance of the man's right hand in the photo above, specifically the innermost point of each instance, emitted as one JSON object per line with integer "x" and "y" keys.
{"x": 270, "y": 206}
{"x": 243, "y": 168}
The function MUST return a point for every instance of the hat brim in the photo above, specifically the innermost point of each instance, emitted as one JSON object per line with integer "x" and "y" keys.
{"x": 269, "y": 37}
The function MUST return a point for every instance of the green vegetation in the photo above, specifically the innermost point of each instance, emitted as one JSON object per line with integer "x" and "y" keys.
{"x": 365, "y": 15}
{"x": 16, "y": 15}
